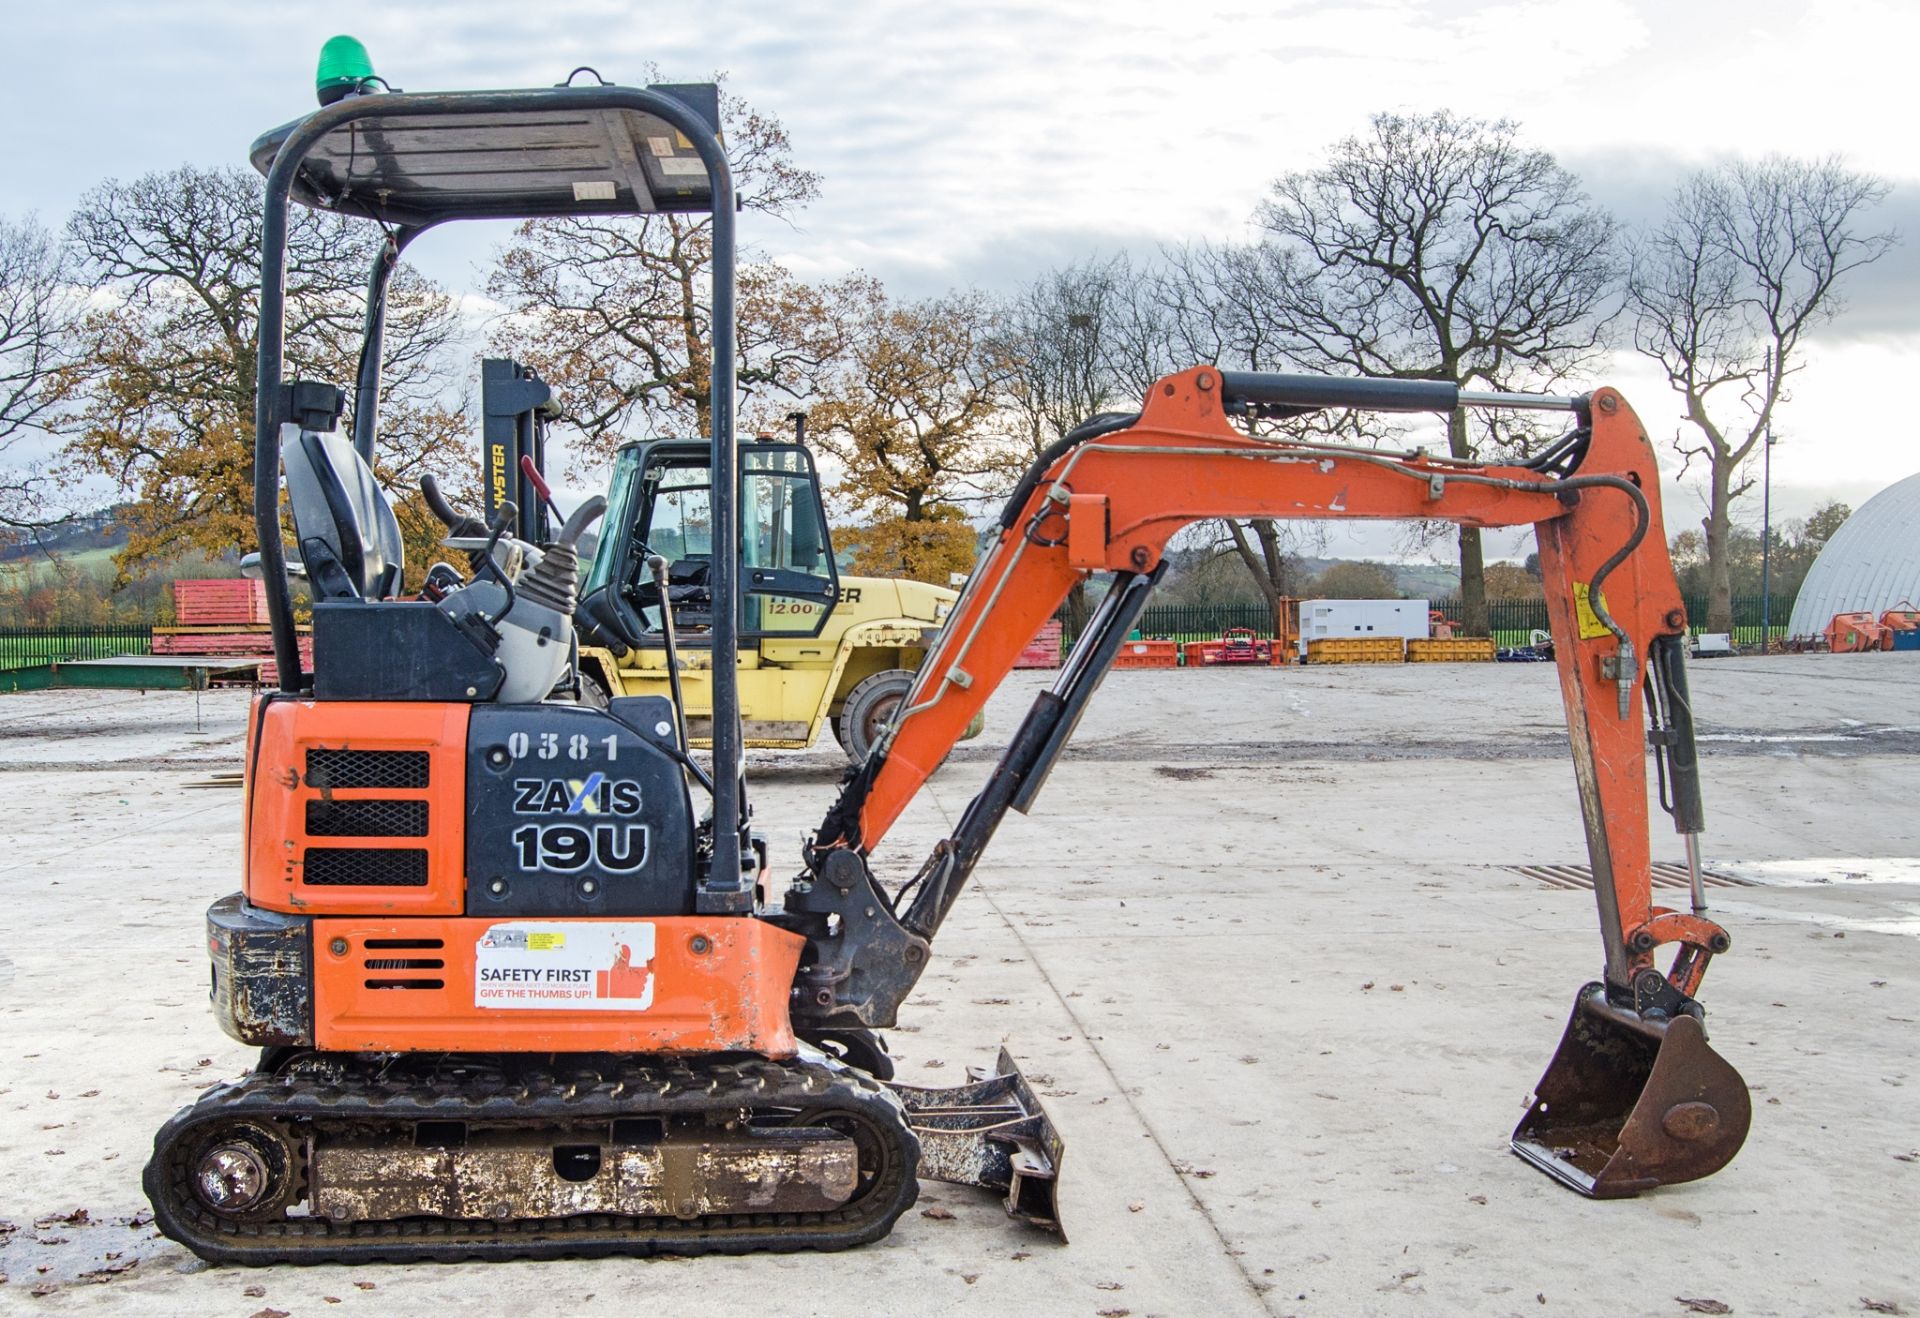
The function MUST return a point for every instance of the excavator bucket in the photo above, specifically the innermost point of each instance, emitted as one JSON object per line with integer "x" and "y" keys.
{"x": 993, "y": 1133}
{"x": 1629, "y": 1104}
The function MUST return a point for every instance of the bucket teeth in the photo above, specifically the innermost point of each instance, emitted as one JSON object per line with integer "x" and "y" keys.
{"x": 1628, "y": 1103}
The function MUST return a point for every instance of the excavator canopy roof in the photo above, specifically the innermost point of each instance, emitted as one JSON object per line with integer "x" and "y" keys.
{"x": 547, "y": 159}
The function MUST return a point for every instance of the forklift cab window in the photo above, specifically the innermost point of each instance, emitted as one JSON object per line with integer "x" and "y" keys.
{"x": 787, "y": 577}
{"x": 786, "y": 564}
{"x": 681, "y": 523}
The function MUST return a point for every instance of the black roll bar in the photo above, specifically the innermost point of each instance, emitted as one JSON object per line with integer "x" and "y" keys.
{"x": 373, "y": 334}
{"x": 726, "y": 885}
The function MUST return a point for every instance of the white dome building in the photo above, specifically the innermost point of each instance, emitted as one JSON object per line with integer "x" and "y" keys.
{"x": 1872, "y": 563}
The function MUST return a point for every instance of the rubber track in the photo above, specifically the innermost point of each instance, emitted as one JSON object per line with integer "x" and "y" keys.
{"x": 536, "y": 1096}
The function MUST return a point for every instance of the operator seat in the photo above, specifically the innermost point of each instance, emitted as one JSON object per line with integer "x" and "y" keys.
{"x": 349, "y": 538}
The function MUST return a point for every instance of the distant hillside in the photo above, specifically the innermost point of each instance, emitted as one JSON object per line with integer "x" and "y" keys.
{"x": 71, "y": 540}
{"x": 1432, "y": 581}
{"x": 66, "y": 579}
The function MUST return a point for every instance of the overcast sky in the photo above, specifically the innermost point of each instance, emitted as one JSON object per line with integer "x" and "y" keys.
{"x": 978, "y": 144}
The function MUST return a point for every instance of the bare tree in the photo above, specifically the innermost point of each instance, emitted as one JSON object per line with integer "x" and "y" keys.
{"x": 1057, "y": 341}
{"x": 1057, "y": 336}
{"x": 615, "y": 312}
{"x": 1092, "y": 337}
{"x": 1437, "y": 247}
{"x": 1217, "y": 304}
{"x": 1146, "y": 334}
{"x": 1747, "y": 262}
{"x": 37, "y": 308}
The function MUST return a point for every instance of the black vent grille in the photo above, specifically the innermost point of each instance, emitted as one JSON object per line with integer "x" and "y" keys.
{"x": 327, "y": 768}
{"x": 365, "y": 867}
{"x": 366, "y": 818}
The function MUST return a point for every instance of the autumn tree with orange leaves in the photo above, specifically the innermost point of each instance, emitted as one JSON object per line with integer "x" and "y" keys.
{"x": 913, "y": 415}
{"x": 164, "y": 382}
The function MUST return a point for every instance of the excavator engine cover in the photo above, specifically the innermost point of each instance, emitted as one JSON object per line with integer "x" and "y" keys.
{"x": 1628, "y": 1104}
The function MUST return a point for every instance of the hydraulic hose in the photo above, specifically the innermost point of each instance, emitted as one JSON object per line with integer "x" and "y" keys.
{"x": 456, "y": 522}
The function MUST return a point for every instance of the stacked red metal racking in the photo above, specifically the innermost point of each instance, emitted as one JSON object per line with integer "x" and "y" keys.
{"x": 213, "y": 603}
{"x": 1043, "y": 651}
{"x": 225, "y": 616}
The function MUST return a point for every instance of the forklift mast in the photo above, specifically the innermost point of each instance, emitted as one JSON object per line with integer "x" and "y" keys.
{"x": 515, "y": 407}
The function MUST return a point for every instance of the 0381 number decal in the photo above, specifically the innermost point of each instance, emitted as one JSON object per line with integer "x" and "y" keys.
{"x": 549, "y": 745}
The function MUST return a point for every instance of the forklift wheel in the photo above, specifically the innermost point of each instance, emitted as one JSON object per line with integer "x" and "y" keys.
{"x": 867, "y": 709}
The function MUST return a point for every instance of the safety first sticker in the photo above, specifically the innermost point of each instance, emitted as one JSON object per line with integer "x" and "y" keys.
{"x": 540, "y": 966}
{"x": 1590, "y": 624}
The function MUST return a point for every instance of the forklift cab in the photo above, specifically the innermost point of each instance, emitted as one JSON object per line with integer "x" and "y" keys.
{"x": 661, "y": 502}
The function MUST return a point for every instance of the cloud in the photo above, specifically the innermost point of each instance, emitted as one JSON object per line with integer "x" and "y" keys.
{"x": 1876, "y": 301}
{"x": 982, "y": 144}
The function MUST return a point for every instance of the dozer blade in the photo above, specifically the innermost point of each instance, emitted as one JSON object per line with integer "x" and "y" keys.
{"x": 1629, "y": 1104}
{"x": 993, "y": 1133}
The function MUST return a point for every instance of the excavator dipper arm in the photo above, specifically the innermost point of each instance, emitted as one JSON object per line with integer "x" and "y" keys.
{"x": 1110, "y": 496}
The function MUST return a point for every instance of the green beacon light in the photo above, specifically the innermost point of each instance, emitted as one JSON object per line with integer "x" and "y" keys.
{"x": 344, "y": 66}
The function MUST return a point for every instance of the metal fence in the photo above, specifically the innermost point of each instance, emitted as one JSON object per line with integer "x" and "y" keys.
{"x": 26, "y": 647}
{"x": 1195, "y": 622}
{"x": 1511, "y": 622}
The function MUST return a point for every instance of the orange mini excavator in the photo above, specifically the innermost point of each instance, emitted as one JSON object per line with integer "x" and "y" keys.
{"x": 516, "y": 997}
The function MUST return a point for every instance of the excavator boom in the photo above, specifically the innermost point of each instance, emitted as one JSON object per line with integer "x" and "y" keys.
{"x": 1107, "y": 500}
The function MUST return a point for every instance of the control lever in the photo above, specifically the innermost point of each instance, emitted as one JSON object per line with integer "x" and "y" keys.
{"x": 442, "y": 580}
{"x": 657, "y": 565}
{"x": 460, "y": 526}
{"x": 539, "y": 483}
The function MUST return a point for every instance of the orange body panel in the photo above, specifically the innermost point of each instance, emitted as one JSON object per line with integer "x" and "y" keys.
{"x": 289, "y": 792}
{"x": 1609, "y": 743}
{"x": 711, "y": 984}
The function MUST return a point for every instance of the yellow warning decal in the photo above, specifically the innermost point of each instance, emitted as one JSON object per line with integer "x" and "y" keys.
{"x": 1590, "y": 624}
{"x": 545, "y": 942}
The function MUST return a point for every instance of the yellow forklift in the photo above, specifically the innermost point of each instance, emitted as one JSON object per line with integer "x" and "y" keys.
{"x": 837, "y": 652}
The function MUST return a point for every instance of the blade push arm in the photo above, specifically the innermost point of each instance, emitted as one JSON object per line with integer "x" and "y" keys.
{"x": 1110, "y": 498}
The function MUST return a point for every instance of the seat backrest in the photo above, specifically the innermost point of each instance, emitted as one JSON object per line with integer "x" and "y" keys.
{"x": 349, "y": 537}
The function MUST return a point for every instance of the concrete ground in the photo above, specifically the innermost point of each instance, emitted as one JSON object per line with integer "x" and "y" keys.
{"x": 1258, "y": 945}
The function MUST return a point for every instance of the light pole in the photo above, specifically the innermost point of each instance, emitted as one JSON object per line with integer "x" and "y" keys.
{"x": 1766, "y": 541}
